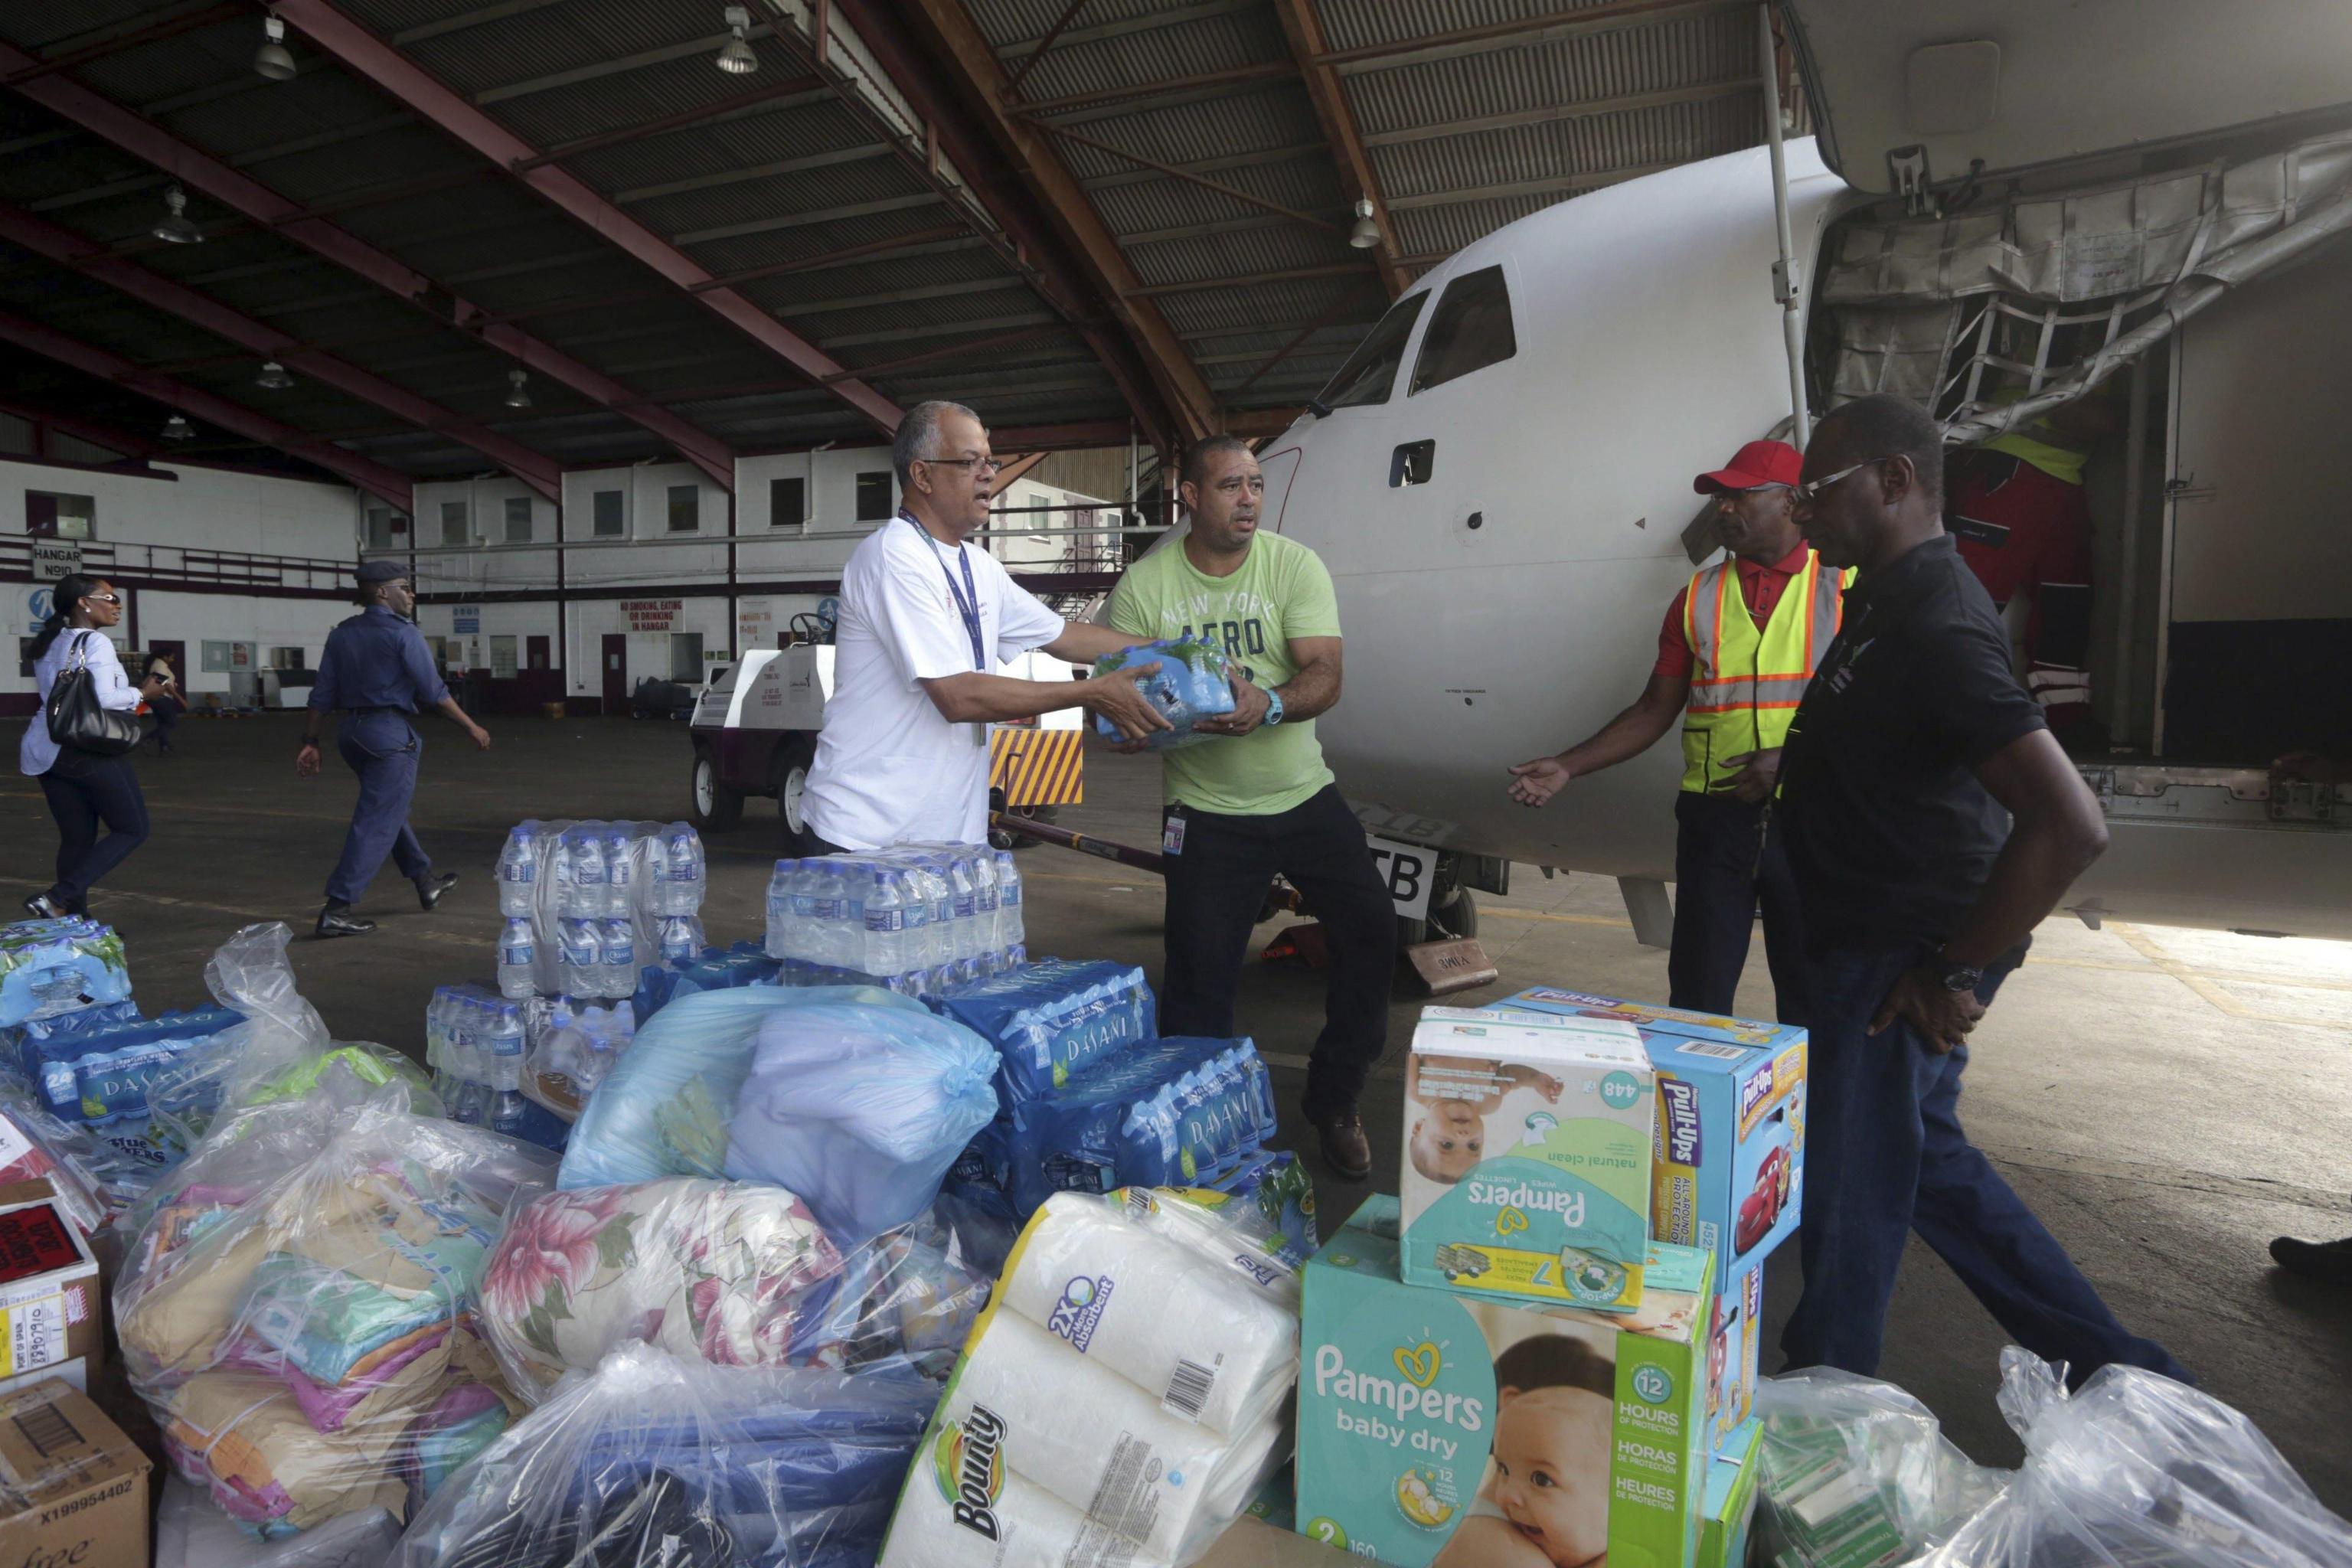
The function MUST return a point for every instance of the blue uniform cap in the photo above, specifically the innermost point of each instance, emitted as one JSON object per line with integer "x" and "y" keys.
{"x": 374, "y": 571}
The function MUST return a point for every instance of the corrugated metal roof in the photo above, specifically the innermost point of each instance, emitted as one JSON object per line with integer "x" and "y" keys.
{"x": 798, "y": 179}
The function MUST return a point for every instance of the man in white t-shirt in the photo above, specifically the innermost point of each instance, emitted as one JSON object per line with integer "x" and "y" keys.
{"x": 925, "y": 619}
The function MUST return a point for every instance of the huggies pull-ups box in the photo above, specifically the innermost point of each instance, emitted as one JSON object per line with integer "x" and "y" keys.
{"x": 1526, "y": 1157}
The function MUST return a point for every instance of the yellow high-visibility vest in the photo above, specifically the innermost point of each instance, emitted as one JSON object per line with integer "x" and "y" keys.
{"x": 1745, "y": 683}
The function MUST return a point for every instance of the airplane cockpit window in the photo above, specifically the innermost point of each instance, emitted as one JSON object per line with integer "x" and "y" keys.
{"x": 1471, "y": 330}
{"x": 1371, "y": 370}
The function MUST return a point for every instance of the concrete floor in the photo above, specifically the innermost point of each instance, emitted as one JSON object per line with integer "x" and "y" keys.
{"x": 2167, "y": 1099}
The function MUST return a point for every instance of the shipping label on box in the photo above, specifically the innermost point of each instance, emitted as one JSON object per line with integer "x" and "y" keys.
{"x": 49, "y": 1302}
{"x": 1728, "y": 1152}
{"x": 1526, "y": 1156}
{"x": 1437, "y": 1430}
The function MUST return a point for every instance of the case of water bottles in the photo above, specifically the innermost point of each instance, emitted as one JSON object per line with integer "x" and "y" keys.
{"x": 588, "y": 904}
{"x": 916, "y": 919}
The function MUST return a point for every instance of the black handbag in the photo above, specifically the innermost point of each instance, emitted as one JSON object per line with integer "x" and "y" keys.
{"x": 78, "y": 720}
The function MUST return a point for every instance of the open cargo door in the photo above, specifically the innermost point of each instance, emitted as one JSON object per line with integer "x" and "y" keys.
{"x": 1911, "y": 95}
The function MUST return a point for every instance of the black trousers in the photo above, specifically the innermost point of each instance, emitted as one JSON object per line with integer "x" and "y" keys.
{"x": 1727, "y": 859}
{"x": 1215, "y": 886}
{"x": 84, "y": 791}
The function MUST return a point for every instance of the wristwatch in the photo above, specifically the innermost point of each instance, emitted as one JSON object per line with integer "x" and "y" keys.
{"x": 1273, "y": 706}
{"x": 1959, "y": 977}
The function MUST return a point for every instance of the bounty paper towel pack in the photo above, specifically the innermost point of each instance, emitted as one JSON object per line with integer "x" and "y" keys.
{"x": 1526, "y": 1156}
{"x": 1117, "y": 1405}
{"x": 1441, "y": 1431}
{"x": 1728, "y": 1161}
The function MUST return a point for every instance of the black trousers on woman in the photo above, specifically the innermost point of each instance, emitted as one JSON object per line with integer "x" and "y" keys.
{"x": 84, "y": 792}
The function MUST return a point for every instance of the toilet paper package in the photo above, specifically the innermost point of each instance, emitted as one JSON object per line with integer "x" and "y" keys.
{"x": 1526, "y": 1156}
{"x": 1442, "y": 1430}
{"x": 1077, "y": 1430}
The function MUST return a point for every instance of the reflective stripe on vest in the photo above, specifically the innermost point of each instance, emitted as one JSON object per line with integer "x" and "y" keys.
{"x": 1745, "y": 683}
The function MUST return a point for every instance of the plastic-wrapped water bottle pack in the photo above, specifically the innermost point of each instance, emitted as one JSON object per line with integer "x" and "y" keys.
{"x": 916, "y": 919}
{"x": 587, "y": 905}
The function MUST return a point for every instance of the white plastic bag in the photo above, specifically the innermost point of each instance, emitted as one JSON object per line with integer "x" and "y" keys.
{"x": 2138, "y": 1469}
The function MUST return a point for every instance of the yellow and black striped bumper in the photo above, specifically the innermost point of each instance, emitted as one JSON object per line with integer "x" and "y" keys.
{"x": 1038, "y": 767}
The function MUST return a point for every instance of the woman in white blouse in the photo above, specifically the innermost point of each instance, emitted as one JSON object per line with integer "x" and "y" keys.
{"x": 83, "y": 790}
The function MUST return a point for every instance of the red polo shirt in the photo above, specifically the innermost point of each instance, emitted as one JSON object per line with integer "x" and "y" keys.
{"x": 1760, "y": 586}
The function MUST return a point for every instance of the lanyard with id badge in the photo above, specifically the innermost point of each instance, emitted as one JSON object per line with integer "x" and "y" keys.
{"x": 967, "y": 604}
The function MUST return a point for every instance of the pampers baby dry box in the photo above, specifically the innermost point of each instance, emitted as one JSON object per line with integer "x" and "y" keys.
{"x": 1526, "y": 1156}
{"x": 1441, "y": 1431}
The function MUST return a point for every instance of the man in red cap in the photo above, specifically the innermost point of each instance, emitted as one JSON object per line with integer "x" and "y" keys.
{"x": 1739, "y": 644}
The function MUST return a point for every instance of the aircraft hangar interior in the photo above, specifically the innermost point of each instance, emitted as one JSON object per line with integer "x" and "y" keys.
{"x": 1459, "y": 783}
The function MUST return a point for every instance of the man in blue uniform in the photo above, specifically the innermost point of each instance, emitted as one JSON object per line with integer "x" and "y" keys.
{"x": 378, "y": 670}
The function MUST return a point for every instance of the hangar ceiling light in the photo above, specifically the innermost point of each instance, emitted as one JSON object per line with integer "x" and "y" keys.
{"x": 518, "y": 390}
{"x": 178, "y": 429}
{"x": 273, "y": 376}
{"x": 1365, "y": 233}
{"x": 735, "y": 58}
{"x": 271, "y": 59}
{"x": 174, "y": 225}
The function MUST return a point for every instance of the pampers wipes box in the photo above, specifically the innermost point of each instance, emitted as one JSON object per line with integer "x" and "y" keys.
{"x": 1440, "y": 1431}
{"x": 1526, "y": 1156}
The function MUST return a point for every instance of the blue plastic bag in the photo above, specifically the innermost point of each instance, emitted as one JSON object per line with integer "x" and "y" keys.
{"x": 858, "y": 1109}
{"x": 649, "y": 1458}
{"x": 1190, "y": 681}
{"x": 1052, "y": 1020}
{"x": 664, "y": 1110}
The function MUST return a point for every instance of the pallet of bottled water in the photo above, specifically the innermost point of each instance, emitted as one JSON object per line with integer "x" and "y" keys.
{"x": 588, "y": 904}
{"x": 918, "y": 919}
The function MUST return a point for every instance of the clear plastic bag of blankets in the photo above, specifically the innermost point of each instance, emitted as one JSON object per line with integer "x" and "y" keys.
{"x": 296, "y": 1305}
{"x": 731, "y": 1273}
{"x": 2135, "y": 1469}
{"x": 653, "y": 1462}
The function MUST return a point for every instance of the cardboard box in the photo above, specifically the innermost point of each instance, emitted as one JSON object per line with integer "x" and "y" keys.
{"x": 1416, "y": 1409}
{"x": 1736, "y": 1347}
{"x": 1727, "y": 1167}
{"x": 1526, "y": 1156}
{"x": 80, "y": 1486}
{"x": 1730, "y": 1506}
{"x": 52, "y": 1310}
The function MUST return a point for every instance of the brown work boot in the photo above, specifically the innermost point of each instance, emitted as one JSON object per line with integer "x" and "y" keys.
{"x": 1345, "y": 1148}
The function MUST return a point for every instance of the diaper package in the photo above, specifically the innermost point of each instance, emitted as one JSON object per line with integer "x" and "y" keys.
{"x": 1526, "y": 1156}
{"x": 1051, "y": 1020}
{"x": 1436, "y": 1428}
{"x": 1729, "y": 1508}
{"x": 1727, "y": 1169}
{"x": 1118, "y": 1403}
{"x": 1190, "y": 681}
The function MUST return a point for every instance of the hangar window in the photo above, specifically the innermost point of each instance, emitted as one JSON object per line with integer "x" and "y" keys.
{"x": 1470, "y": 329}
{"x": 1371, "y": 370}
{"x": 457, "y": 526}
{"x": 788, "y": 502}
{"x": 607, "y": 522}
{"x": 53, "y": 516}
{"x": 685, "y": 509}
{"x": 517, "y": 519}
{"x": 874, "y": 496}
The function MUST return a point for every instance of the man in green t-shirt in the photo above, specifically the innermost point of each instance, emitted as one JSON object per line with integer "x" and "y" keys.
{"x": 1259, "y": 800}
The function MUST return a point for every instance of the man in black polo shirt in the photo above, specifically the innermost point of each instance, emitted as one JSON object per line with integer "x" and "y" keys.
{"x": 1918, "y": 900}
